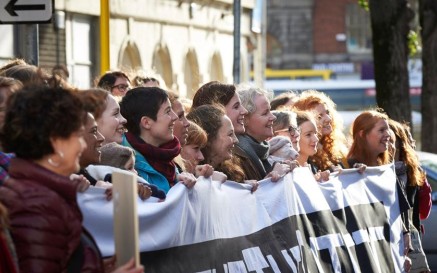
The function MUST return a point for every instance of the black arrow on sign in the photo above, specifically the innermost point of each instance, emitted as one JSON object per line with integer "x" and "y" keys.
{"x": 11, "y": 7}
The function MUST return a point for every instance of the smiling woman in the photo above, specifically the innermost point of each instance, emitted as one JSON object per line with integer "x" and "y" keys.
{"x": 116, "y": 82}
{"x": 370, "y": 133}
{"x": 221, "y": 136}
{"x": 332, "y": 145}
{"x": 150, "y": 124}
{"x": 41, "y": 200}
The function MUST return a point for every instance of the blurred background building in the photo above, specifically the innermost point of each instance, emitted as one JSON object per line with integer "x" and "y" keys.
{"x": 190, "y": 42}
{"x": 187, "y": 42}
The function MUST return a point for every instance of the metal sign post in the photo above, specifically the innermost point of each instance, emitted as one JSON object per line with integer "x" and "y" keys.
{"x": 29, "y": 13}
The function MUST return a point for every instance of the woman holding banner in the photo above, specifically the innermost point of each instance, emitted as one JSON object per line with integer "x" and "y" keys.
{"x": 370, "y": 147}
{"x": 253, "y": 149}
{"x": 45, "y": 220}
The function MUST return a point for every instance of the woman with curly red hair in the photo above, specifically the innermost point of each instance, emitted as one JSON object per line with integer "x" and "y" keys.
{"x": 332, "y": 148}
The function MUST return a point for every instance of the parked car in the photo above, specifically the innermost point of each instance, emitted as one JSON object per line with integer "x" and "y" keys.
{"x": 429, "y": 240}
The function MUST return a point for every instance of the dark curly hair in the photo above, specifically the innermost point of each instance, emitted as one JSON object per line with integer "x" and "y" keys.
{"x": 214, "y": 92}
{"x": 36, "y": 114}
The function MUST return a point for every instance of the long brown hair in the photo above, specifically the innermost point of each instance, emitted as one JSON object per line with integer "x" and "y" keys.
{"x": 407, "y": 154}
{"x": 208, "y": 117}
{"x": 361, "y": 126}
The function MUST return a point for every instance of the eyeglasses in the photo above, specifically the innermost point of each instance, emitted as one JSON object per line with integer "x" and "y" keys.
{"x": 292, "y": 130}
{"x": 121, "y": 87}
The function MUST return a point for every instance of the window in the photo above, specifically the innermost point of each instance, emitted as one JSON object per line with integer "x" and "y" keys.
{"x": 80, "y": 50}
{"x": 6, "y": 43}
{"x": 358, "y": 30}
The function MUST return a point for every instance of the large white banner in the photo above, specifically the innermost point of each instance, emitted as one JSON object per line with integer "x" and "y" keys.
{"x": 349, "y": 224}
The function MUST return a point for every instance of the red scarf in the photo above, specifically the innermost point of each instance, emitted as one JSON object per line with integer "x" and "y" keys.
{"x": 160, "y": 158}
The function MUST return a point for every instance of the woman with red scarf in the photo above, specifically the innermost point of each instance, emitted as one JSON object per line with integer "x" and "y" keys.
{"x": 150, "y": 125}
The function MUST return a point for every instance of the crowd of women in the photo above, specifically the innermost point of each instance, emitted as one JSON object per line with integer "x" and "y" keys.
{"x": 57, "y": 140}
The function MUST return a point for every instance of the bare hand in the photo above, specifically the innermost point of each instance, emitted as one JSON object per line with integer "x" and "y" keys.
{"x": 187, "y": 179}
{"x": 279, "y": 171}
{"x": 219, "y": 176}
{"x": 254, "y": 184}
{"x": 407, "y": 264}
{"x": 144, "y": 191}
{"x": 205, "y": 170}
{"x": 292, "y": 163}
{"x": 337, "y": 168}
{"x": 83, "y": 183}
{"x": 129, "y": 267}
{"x": 361, "y": 167}
{"x": 322, "y": 176}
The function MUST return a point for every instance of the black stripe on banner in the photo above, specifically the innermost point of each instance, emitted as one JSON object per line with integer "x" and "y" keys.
{"x": 321, "y": 239}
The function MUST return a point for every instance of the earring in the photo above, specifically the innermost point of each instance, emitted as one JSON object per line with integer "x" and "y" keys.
{"x": 54, "y": 163}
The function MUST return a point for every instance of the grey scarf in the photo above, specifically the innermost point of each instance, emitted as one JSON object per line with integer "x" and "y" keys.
{"x": 257, "y": 152}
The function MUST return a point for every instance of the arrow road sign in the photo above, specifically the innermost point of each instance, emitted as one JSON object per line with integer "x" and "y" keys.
{"x": 25, "y": 11}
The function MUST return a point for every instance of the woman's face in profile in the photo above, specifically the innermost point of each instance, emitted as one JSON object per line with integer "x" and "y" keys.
{"x": 111, "y": 123}
{"x": 94, "y": 140}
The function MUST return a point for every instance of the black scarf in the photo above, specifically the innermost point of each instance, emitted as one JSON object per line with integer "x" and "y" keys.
{"x": 257, "y": 152}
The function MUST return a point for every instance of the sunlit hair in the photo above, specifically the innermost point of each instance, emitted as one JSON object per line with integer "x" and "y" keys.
{"x": 139, "y": 81}
{"x": 283, "y": 120}
{"x": 303, "y": 116}
{"x": 12, "y": 63}
{"x": 30, "y": 75}
{"x": 95, "y": 101}
{"x": 361, "y": 127}
{"x": 248, "y": 94}
{"x": 196, "y": 135}
{"x": 407, "y": 154}
{"x": 213, "y": 92}
{"x": 279, "y": 102}
{"x": 334, "y": 146}
{"x": 209, "y": 118}
{"x": 187, "y": 104}
{"x": 172, "y": 96}
{"x": 10, "y": 85}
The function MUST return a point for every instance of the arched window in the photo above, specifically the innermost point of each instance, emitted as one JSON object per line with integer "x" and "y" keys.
{"x": 216, "y": 73}
{"x": 130, "y": 58}
{"x": 191, "y": 69}
{"x": 162, "y": 64}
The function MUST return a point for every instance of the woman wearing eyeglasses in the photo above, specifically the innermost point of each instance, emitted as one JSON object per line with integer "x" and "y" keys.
{"x": 286, "y": 125}
{"x": 116, "y": 82}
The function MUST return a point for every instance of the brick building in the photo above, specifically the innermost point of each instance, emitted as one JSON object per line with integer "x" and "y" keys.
{"x": 319, "y": 34}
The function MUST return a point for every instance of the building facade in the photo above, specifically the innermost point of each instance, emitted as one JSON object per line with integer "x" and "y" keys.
{"x": 187, "y": 43}
{"x": 320, "y": 34}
